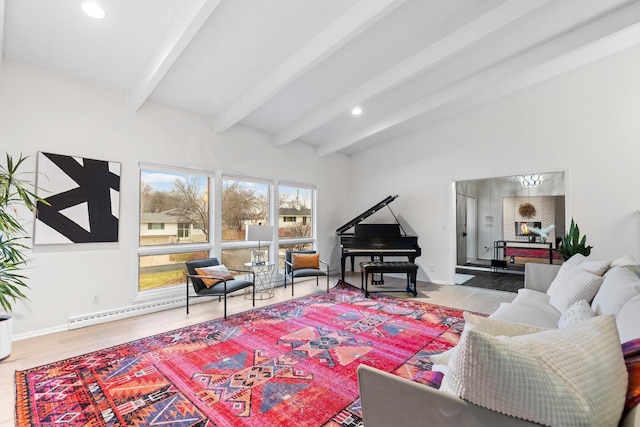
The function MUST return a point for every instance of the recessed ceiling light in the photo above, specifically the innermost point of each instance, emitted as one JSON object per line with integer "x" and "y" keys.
{"x": 93, "y": 10}
{"x": 356, "y": 111}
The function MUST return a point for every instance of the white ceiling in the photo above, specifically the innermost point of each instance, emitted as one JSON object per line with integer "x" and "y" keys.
{"x": 295, "y": 68}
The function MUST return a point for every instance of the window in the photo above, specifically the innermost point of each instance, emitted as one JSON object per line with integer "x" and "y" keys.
{"x": 174, "y": 211}
{"x": 175, "y": 207}
{"x": 183, "y": 230}
{"x": 243, "y": 202}
{"x": 294, "y": 212}
{"x": 171, "y": 199}
{"x": 164, "y": 270}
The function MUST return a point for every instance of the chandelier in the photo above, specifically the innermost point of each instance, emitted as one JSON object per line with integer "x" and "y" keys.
{"x": 531, "y": 180}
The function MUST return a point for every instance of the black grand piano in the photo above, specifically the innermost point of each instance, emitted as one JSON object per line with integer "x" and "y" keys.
{"x": 376, "y": 240}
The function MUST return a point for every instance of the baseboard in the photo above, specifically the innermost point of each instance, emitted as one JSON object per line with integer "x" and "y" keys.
{"x": 123, "y": 313}
{"x": 39, "y": 332}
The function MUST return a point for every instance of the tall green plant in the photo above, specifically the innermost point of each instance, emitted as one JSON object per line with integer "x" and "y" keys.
{"x": 572, "y": 243}
{"x": 13, "y": 190}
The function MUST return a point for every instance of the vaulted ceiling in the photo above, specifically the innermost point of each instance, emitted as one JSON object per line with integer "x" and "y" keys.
{"x": 296, "y": 68}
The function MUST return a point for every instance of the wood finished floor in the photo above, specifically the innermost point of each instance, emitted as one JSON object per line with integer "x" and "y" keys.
{"x": 49, "y": 348}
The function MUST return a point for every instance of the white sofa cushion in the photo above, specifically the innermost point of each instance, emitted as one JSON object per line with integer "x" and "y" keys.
{"x": 623, "y": 260}
{"x": 628, "y": 319}
{"x": 577, "y": 312}
{"x": 569, "y": 288}
{"x": 597, "y": 267}
{"x": 534, "y": 299}
{"x": 619, "y": 286}
{"x": 494, "y": 327}
{"x": 555, "y": 377}
{"x": 522, "y": 314}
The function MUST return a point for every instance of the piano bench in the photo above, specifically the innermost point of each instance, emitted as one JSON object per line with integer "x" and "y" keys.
{"x": 409, "y": 268}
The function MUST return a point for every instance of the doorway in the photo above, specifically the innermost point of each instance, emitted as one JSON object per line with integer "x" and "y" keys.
{"x": 488, "y": 211}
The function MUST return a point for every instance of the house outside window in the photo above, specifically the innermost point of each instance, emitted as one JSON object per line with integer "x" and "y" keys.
{"x": 288, "y": 219}
{"x": 155, "y": 226}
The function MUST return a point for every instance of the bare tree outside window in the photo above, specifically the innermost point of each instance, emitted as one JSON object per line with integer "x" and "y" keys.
{"x": 243, "y": 203}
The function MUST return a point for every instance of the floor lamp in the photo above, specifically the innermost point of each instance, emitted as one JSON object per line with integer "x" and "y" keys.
{"x": 259, "y": 233}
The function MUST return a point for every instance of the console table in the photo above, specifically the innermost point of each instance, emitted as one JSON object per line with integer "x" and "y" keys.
{"x": 500, "y": 245}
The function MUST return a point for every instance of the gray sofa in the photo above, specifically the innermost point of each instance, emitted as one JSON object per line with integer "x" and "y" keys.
{"x": 389, "y": 400}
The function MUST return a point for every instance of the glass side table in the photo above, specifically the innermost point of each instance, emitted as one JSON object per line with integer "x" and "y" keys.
{"x": 264, "y": 279}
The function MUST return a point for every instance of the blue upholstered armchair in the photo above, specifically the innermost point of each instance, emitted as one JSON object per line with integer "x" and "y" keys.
{"x": 293, "y": 269}
{"x": 225, "y": 283}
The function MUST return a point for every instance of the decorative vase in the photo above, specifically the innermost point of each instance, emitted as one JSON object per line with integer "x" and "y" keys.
{"x": 6, "y": 323}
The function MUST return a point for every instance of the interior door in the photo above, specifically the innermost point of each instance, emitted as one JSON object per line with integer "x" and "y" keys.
{"x": 461, "y": 229}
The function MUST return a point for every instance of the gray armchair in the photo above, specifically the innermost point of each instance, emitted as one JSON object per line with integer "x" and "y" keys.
{"x": 290, "y": 272}
{"x": 220, "y": 289}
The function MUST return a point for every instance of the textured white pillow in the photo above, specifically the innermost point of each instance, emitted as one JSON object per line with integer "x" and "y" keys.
{"x": 555, "y": 377}
{"x": 493, "y": 327}
{"x": 577, "y": 312}
{"x": 578, "y": 285}
{"x": 619, "y": 286}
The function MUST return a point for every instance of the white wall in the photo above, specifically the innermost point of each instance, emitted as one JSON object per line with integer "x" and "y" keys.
{"x": 43, "y": 111}
{"x": 584, "y": 123}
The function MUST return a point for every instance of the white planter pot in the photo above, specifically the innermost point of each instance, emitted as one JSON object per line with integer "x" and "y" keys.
{"x": 6, "y": 323}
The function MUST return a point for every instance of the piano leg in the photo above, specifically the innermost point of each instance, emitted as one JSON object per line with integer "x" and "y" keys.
{"x": 352, "y": 257}
{"x": 342, "y": 259}
{"x": 413, "y": 276}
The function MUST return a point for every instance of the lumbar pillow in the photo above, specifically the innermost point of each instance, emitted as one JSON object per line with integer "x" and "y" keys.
{"x": 218, "y": 271}
{"x": 305, "y": 261}
{"x": 577, "y": 312}
{"x": 619, "y": 286}
{"x": 493, "y": 327}
{"x": 573, "y": 287}
{"x": 552, "y": 377}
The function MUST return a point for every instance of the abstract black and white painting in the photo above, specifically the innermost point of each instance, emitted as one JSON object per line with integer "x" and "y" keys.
{"x": 84, "y": 199}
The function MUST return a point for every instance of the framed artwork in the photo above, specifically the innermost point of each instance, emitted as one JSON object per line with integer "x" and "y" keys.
{"x": 84, "y": 200}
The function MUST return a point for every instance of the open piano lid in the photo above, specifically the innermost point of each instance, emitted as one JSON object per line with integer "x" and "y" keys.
{"x": 366, "y": 214}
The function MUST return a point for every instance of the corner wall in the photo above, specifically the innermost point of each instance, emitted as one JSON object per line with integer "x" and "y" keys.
{"x": 43, "y": 111}
{"x": 584, "y": 123}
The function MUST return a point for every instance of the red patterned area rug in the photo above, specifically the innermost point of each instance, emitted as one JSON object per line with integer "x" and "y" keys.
{"x": 292, "y": 363}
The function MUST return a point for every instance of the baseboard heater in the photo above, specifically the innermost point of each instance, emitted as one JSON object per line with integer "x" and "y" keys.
{"x": 123, "y": 313}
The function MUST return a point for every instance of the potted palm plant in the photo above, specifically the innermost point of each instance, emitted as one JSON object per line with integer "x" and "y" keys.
{"x": 13, "y": 192}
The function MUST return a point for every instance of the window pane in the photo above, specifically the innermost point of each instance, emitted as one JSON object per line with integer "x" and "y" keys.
{"x": 294, "y": 212}
{"x": 296, "y": 247}
{"x": 174, "y": 208}
{"x": 243, "y": 203}
{"x": 236, "y": 258}
{"x": 160, "y": 271}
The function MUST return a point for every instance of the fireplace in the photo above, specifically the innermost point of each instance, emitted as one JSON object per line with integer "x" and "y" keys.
{"x": 523, "y": 228}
